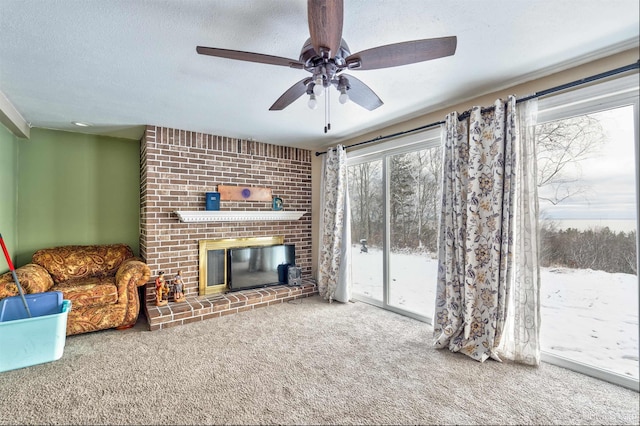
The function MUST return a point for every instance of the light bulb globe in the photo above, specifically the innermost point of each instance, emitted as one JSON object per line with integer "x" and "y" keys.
{"x": 318, "y": 89}
{"x": 312, "y": 102}
{"x": 343, "y": 98}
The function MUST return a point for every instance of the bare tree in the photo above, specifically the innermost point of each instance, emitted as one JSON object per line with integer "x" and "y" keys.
{"x": 429, "y": 169}
{"x": 627, "y": 254}
{"x": 366, "y": 207}
{"x": 562, "y": 144}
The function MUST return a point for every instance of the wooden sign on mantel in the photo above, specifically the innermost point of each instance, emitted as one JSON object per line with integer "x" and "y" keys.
{"x": 247, "y": 193}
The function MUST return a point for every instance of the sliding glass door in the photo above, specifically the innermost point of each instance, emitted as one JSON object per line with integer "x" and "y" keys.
{"x": 395, "y": 197}
{"x": 414, "y": 200}
{"x": 588, "y": 172}
{"x": 587, "y": 145}
{"x": 367, "y": 229}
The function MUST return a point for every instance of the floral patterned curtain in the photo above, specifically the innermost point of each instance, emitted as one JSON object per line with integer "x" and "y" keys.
{"x": 476, "y": 242}
{"x": 335, "y": 240}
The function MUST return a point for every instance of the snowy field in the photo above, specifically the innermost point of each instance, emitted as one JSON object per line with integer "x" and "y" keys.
{"x": 588, "y": 316}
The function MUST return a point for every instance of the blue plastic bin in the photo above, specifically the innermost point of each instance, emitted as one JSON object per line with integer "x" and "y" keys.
{"x": 47, "y": 303}
{"x": 29, "y": 341}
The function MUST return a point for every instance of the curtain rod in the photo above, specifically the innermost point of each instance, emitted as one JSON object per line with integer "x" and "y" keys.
{"x": 466, "y": 114}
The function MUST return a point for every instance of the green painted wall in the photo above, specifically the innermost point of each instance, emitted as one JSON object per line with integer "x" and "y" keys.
{"x": 8, "y": 195}
{"x": 76, "y": 188}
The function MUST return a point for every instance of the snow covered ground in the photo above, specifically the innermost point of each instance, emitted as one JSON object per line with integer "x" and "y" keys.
{"x": 588, "y": 316}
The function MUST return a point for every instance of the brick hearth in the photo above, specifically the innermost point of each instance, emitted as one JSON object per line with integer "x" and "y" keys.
{"x": 200, "y": 308}
{"x": 177, "y": 168}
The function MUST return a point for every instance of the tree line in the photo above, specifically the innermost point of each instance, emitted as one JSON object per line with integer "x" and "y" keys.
{"x": 415, "y": 199}
{"x": 596, "y": 248}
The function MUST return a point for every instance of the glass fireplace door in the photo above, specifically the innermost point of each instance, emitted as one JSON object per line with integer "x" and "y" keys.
{"x": 216, "y": 269}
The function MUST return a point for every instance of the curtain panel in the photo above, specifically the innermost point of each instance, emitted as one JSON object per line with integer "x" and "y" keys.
{"x": 520, "y": 339}
{"x": 475, "y": 235}
{"x": 335, "y": 238}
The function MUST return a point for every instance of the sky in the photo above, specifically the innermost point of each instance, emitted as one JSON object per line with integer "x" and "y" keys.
{"x": 609, "y": 176}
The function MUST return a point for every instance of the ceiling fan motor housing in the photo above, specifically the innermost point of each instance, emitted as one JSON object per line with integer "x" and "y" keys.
{"x": 326, "y": 68}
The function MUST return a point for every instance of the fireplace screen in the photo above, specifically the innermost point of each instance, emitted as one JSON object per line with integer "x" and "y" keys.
{"x": 213, "y": 260}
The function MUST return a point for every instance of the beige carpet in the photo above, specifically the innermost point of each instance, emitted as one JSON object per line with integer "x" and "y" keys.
{"x": 297, "y": 363}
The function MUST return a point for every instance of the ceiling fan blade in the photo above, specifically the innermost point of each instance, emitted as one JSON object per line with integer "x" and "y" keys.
{"x": 361, "y": 94}
{"x": 325, "y": 24}
{"x": 293, "y": 93}
{"x": 409, "y": 52}
{"x": 248, "y": 56}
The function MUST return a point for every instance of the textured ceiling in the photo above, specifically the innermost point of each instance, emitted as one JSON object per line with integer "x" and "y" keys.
{"x": 120, "y": 64}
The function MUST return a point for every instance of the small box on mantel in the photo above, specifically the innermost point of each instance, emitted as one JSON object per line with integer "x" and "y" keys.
{"x": 213, "y": 200}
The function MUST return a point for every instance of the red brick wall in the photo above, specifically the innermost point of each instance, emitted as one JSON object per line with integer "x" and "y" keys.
{"x": 178, "y": 167}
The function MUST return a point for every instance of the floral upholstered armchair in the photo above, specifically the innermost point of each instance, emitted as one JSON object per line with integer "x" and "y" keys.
{"x": 101, "y": 281}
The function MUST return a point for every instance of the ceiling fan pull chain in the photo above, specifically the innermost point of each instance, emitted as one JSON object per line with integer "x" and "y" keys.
{"x": 329, "y": 108}
{"x": 326, "y": 103}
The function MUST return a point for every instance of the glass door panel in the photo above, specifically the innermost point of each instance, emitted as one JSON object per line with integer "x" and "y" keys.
{"x": 589, "y": 278}
{"x": 367, "y": 230}
{"x": 414, "y": 203}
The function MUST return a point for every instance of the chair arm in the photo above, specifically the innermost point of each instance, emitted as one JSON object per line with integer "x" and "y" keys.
{"x": 33, "y": 279}
{"x": 131, "y": 274}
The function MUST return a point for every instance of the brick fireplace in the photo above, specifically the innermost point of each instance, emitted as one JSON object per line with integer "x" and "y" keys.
{"x": 177, "y": 168}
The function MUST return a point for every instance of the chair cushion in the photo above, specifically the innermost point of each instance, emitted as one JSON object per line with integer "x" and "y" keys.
{"x": 7, "y": 286}
{"x": 79, "y": 262}
{"x": 33, "y": 279}
{"x": 89, "y": 292}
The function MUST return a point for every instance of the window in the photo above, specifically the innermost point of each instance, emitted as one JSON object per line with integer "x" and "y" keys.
{"x": 587, "y": 147}
{"x": 587, "y": 151}
{"x": 394, "y": 191}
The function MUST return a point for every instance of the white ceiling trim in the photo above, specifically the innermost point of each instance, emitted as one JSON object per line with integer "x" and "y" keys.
{"x": 12, "y": 119}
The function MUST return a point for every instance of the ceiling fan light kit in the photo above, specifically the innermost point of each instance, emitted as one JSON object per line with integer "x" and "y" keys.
{"x": 326, "y": 55}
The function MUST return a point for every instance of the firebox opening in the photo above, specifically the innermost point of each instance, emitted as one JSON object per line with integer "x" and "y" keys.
{"x": 213, "y": 259}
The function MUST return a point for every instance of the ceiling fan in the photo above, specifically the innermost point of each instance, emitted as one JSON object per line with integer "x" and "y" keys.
{"x": 326, "y": 55}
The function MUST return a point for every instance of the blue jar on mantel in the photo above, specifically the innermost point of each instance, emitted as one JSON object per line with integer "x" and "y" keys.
{"x": 213, "y": 199}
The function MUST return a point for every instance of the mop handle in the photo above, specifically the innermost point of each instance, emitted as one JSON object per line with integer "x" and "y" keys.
{"x": 6, "y": 253}
{"x": 15, "y": 277}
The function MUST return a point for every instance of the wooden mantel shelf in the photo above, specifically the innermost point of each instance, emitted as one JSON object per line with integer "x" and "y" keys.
{"x": 202, "y": 216}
